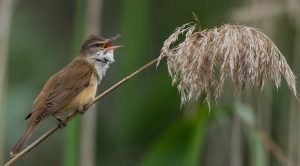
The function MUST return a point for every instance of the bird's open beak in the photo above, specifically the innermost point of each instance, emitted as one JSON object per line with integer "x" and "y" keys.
{"x": 107, "y": 43}
{"x": 112, "y": 47}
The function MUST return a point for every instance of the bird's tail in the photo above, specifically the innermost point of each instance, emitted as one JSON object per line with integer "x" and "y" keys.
{"x": 17, "y": 148}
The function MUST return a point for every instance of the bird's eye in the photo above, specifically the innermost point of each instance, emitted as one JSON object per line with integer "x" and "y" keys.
{"x": 97, "y": 45}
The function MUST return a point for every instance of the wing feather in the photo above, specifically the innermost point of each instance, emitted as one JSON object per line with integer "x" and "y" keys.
{"x": 66, "y": 85}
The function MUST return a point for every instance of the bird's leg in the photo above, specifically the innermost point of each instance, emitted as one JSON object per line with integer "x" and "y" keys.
{"x": 62, "y": 123}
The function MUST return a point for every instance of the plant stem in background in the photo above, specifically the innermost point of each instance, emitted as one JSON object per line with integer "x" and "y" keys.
{"x": 236, "y": 144}
{"x": 89, "y": 122}
{"x": 71, "y": 138}
{"x": 294, "y": 123}
{"x": 134, "y": 24}
{"x": 6, "y": 8}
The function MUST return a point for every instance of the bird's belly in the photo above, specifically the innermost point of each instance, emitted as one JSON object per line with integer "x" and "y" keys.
{"x": 82, "y": 99}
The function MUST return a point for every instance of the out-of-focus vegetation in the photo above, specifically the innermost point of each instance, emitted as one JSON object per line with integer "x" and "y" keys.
{"x": 141, "y": 123}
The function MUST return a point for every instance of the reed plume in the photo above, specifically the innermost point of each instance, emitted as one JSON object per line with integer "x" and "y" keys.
{"x": 205, "y": 59}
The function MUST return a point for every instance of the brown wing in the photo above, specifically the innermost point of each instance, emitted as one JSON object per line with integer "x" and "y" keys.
{"x": 63, "y": 87}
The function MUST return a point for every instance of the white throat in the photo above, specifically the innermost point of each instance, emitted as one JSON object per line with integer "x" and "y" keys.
{"x": 101, "y": 61}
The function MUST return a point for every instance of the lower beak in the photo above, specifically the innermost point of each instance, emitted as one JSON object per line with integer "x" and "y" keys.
{"x": 112, "y": 47}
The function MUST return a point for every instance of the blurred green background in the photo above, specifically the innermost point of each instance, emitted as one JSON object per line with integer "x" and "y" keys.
{"x": 141, "y": 123}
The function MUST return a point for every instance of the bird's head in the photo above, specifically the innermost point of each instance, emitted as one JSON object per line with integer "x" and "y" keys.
{"x": 98, "y": 50}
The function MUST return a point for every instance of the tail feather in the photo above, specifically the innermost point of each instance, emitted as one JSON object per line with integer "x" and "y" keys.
{"x": 17, "y": 148}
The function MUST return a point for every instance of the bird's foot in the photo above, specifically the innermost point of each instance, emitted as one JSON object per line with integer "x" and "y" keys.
{"x": 83, "y": 110}
{"x": 62, "y": 123}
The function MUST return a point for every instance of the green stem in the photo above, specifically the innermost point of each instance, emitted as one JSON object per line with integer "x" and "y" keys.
{"x": 72, "y": 135}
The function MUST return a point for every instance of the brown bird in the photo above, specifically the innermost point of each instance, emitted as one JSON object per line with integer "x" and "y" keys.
{"x": 73, "y": 87}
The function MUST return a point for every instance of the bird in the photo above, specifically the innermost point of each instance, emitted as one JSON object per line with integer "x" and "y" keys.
{"x": 73, "y": 87}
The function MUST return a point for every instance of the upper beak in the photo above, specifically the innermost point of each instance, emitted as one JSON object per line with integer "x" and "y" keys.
{"x": 113, "y": 38}
{"x": 110, "y": 40}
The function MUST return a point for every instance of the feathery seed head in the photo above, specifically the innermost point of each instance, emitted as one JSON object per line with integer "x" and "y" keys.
{"x": 204, "y": 59}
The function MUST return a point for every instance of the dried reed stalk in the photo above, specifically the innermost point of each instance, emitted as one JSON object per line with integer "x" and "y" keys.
{"x": 204, "y": 59}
